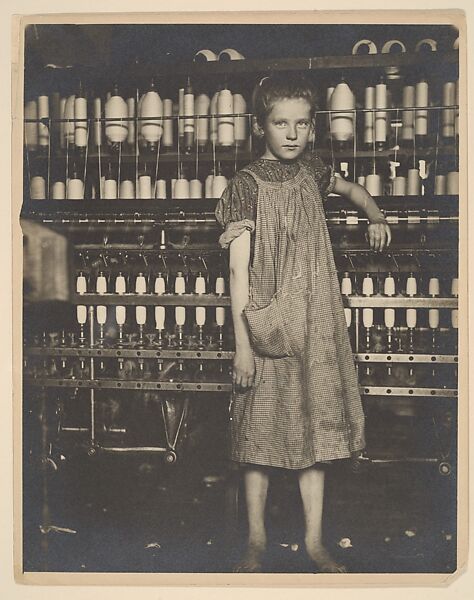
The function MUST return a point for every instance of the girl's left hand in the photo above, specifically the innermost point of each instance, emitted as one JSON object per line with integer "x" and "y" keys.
{"x": 379, "y": 236}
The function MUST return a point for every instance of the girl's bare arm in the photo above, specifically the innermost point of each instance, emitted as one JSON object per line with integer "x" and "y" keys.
{"x": 379, "y": 231}
{"x": 244, "y": 364}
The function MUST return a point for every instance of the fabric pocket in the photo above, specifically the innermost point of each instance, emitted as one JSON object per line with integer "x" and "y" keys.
{"x": 278, "y": 330}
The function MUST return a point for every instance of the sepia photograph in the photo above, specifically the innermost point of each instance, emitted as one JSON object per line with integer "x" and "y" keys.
{"x": 238, "y": 339}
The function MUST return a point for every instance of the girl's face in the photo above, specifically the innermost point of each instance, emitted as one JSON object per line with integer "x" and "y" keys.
{"x": 287, "y": 128}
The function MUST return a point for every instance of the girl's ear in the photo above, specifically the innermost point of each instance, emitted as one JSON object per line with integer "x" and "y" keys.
{"x": 256, "y": 129}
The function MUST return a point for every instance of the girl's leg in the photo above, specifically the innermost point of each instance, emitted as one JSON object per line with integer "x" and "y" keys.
{"x": 311, "y": 483}
{"x": 256, "y": 487}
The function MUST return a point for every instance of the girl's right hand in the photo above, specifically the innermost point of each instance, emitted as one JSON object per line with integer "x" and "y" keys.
{"x": 244, "y": 369}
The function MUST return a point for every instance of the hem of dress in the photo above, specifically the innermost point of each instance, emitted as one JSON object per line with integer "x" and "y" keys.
{"x": 304, "y": 465}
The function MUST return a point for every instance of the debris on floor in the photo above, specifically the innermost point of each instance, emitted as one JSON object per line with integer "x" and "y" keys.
{"x": 55, "y": 529}
{"x": 153, "y": 545}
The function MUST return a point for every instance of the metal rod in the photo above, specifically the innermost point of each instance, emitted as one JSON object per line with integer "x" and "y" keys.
{"x": 92, "y": 375}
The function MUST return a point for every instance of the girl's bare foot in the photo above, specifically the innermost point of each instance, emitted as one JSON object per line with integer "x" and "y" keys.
{"x": 251, "y": 562}
{"x": 322, "y": 559}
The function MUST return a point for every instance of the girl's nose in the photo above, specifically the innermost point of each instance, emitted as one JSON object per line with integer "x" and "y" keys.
{"x": 291, "y": 133}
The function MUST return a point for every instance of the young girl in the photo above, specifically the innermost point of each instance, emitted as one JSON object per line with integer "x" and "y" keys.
{"x": 296, "y": 403}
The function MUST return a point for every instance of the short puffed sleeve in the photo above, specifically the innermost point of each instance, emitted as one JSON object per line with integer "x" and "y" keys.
{"x": 323, "y": 174}
{"x": 238, "y": 200}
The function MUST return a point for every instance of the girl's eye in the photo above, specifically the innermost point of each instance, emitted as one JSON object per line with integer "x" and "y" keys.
{"x": 303, "y": 124}
{"x": 280, "y": 123}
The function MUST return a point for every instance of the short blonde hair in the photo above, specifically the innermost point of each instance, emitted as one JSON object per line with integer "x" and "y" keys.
{"x": 277, "y": 87}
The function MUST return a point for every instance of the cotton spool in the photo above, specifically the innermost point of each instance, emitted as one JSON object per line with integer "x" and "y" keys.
{"x": 181, "y": 189}
{"x": 448, "y": 114}
{"x": 81, "y": 284}
{"x": 389, "y": 317}
{"x": 131, "y": 112}
{"x": 389, "y": 286}
{"x": 456, "y": 118}
{"x": 160, "y": 312}
{"x": 127, "y": 190}
{"x": 399, "y": 186}
{"x": 205, "y": 55}
{"x": 369, "y": 103}
{"x": 59, "y": 190}
{"x": 200, "y": 316}
{"x": 219, "y": 184}
{"x": 188, "y": 109}
{"x": 381, "y": 116}
{"x": 80, "y": 116}
{"x": 195, "y": 189}
{"x": 368, "y": 317}
{"x": 37, "y": 188}
{"x": 140, "y": 288}
{"x": 220, "y": 316}
{"x": 69, "y": 125}
{"x": 413, "y": 182}
{"x": 225, "y": 124}
{"x": 433, "y": 318}
{"x": 427, "y": 44}
{"x": 160, "y": 285}
{"x": 161, "y": 189}
{"x": 144, "y": 184}
{"x": 200, "y": 285}
{"x": 140, "y": 284}
{"x": 101, "y": 288}
{"x": 213, "y": 119}
{"x": 346, "y": 285}
{"x": 408, "y": 116}
{"x": 452, "y": 182}
{"x": 167, "y": 140}
{"x": 229, "y": 54}
{"x": 62, "y": 124}
{"x": 393, "y": 47}
{"x": 367, "y": 285}
{"x": 202, "y": 105}
{"x": 342, "y": 123}
{"x": 180, "y": 315}
{"x": 181, "y": 113}
{"x": 81, "y": 314}
{"x": 421, "y": 100}
{"x": 179, "y": 283}
{"x": 455, "y": 287}
{"x": 75, "y": 189}
{"x": 116, "y": 130}
{"x": 440, "y": 185}
{"x": 364, "y": 47}
{"x": 97, "y": 109}
{"x": 240, "y": 123}
{"x": 43, "y": 113}
{"x": 160, "y": 315}
{"x": 373, "y": 184}
{"x": 220, "y": 286}
{"x": 151, "y": 106}
{"x": 31, "y": 129}
{"x": 208, "y": 186}
{"x": 110, "y": 189}
{"x": 433, "y": 287}
{"x": 411, "y": 289}
{"x": 411, "y": 317}
{"x": 120, "y": 311}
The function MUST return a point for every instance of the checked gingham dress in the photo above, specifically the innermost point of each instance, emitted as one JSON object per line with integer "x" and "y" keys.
{"x": 301, "y": 409}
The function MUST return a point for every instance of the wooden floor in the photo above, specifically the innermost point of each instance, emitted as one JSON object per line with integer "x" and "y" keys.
{"x": 134, "y": 514}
